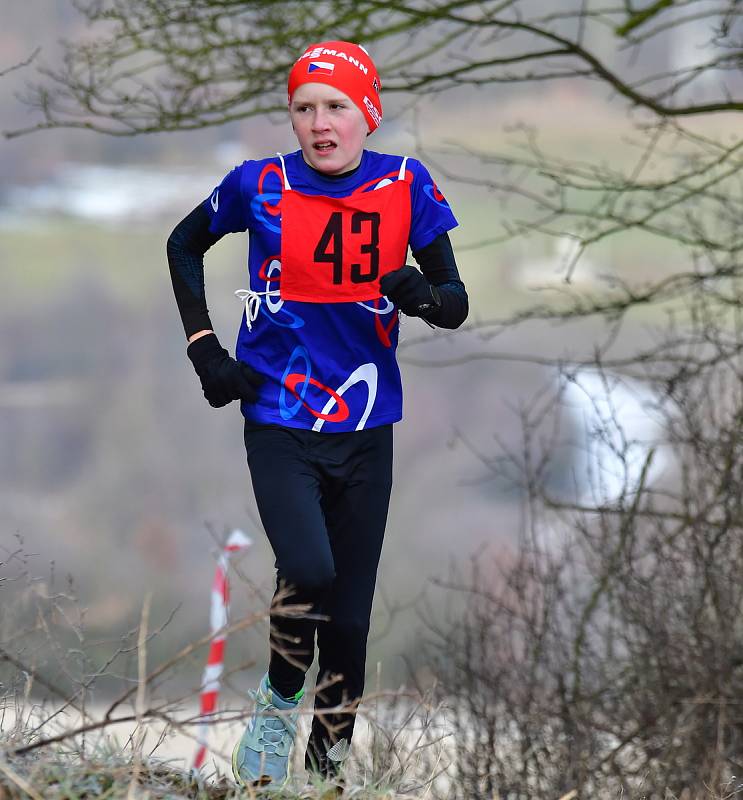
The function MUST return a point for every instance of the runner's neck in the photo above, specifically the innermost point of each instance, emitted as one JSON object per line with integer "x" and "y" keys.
{"x": 333, "y": 177}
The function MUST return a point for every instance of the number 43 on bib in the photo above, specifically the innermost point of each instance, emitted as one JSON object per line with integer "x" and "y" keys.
{"x": 335, "y": 250}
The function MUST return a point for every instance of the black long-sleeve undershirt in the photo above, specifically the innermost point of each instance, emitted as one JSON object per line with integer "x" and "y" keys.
{"x": 187, "y": 244}
{"x": 191, "y": 238}
{"x": 438, "y": 265}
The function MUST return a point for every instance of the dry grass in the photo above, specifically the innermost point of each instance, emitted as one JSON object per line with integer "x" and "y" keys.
{"x": 65, "y": 735}
{"x": 105, "y": 769}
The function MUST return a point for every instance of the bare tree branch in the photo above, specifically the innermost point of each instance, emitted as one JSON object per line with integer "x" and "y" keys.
{"x": 167, "y": 66}
{"x": 20, "y": 64}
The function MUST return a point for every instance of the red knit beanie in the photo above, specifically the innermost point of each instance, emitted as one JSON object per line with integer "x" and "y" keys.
{"x": 347, "y": 67}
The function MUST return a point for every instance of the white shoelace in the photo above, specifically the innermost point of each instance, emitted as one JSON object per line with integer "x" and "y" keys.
{"x": 252, "y": 302}
{"x": 271, "y": 735}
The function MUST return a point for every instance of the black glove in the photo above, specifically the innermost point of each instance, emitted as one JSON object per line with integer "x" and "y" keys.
{"x": 410, "y": 291}
{"x": 222, "y": 378}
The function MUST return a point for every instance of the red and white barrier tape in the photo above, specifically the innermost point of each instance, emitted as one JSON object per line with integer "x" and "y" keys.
{"x": 218, "y": 619}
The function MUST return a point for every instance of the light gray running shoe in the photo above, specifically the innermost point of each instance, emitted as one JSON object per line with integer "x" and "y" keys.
{"x": 261, "y": 757}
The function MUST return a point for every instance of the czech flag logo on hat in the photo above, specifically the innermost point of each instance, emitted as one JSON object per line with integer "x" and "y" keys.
{"x": 320, "y": 68}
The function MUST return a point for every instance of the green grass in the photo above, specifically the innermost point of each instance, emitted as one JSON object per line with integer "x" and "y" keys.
{"x": 56, "y": 257}
{"x": 44, "y": 259}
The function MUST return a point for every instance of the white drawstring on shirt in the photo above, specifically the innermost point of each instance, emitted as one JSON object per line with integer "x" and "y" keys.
{"x": 252, "y": 302}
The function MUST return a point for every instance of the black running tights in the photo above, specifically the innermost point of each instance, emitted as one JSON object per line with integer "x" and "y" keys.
{"x": 323, "y": 500}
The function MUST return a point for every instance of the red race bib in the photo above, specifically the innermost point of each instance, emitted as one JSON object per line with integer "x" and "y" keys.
{"x": 335, "y": 250}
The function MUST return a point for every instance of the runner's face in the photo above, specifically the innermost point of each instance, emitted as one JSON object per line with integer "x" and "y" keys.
{"x": 330, "y": 128}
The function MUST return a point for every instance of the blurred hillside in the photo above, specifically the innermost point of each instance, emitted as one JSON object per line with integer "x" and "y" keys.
{"x": 114, "y": 467}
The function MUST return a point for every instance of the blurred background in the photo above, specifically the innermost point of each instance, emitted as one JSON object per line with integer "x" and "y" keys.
{"x": 114, "y": 469}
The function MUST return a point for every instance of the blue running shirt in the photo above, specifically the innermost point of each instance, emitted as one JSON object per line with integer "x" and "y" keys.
{"x": 330, "y": 367}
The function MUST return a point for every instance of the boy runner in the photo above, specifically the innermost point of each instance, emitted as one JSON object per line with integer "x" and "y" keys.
{"x": 316, "y": 375}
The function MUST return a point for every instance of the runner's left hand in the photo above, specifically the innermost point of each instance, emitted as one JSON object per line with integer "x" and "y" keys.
{"x": 409, "y": 290}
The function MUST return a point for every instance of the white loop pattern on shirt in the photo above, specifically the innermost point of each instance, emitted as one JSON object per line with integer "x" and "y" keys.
{"x": 252, "y": 302}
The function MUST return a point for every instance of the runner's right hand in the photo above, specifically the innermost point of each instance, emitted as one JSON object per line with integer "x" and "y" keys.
{"x": 223, "y": 379}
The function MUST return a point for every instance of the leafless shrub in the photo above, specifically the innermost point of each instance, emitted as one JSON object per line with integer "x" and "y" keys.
{"x": 605, "y": 655}
{"x": 66, "y": 698}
